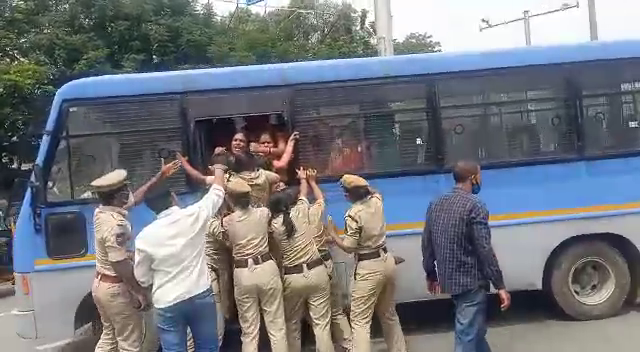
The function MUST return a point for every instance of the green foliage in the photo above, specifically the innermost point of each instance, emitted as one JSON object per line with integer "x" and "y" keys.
{"x": 46, "y": 43}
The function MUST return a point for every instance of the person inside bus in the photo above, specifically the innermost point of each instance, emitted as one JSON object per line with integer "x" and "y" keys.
{"x": 257, "y": 281}
{"x": 306, "y": 280}
{"x": 272, "y": 163}
{"x": 239, "y": 144}
{"x": 116, "y": 293}
{"x": 375, "y": 273}
{"x": 170, "y": 260}
{"x": 256, "y": 126}
{"x": 347, "y": 154}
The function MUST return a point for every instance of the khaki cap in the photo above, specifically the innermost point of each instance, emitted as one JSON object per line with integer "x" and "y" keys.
{"x": 113, "y": 180}
{"x": 350, "y": 181}
{"x": 238, "y": 186}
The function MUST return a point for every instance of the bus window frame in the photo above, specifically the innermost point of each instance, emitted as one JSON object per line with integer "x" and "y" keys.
{"x": 434, "y": 123}
{"x": 60, "y": 132}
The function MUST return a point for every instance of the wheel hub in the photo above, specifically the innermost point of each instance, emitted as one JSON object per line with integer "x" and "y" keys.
{"x": 591, "y": 281}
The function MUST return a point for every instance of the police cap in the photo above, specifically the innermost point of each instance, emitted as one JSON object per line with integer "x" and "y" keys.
{"x": 351, "y": 181}
{"x": 237, "y": 186}
{"x": 109, "y": 182}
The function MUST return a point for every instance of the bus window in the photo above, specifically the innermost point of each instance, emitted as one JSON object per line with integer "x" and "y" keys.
{"x": 611, "y": 106}
{"x": 102, "y": 136}
{"x": 513, "y": 115}
{"x": 365, "y": 128}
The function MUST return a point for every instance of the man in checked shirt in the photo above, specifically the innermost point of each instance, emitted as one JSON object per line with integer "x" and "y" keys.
{"x": 457, "y": 236}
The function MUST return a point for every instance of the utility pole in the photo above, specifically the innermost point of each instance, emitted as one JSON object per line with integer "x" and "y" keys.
{"x": 384, "y": 33}
{"x": 526, "y": 16}
{"x": 593, "y": 21}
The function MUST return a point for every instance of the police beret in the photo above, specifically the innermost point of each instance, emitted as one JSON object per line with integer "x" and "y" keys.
{"x": 350, "y": 181}
{"x": 237, "y": 186}
{"x": 109, "y": 182}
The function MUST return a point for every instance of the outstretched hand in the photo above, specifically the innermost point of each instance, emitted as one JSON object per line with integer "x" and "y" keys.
{"x": 169, "y": 169}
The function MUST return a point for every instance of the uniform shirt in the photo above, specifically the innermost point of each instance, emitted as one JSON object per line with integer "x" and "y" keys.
{"x": 300, "y": 248}
{"x": 457, "y": 236}
{"x": 170, "y": 251}
{"x": 248, "y": 231}
{"x": 365, "y": 225}
{"x": 316, "y": 224}
{"x": 112, "y": 236}
{"x": 260, "y": 182}
{"x": 216, "y": 247}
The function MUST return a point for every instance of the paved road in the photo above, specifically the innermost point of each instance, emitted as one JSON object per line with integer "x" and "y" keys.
{"x": 531, "y": 325}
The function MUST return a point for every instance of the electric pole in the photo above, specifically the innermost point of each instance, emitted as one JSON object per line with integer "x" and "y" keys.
{"x": 526, "y": 19}
{"x": 593, "y": 21}
{"x": 384, "y": 32}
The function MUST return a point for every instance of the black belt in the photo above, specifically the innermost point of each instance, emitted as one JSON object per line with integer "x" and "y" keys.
{"x": 371, "y": 255}
{"x": 325, "y": 255}
{"x": 299, "y": 269}
{"x": 244, "y": 263}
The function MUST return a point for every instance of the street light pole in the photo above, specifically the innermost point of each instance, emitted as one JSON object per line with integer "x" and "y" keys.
{"x": 527, "y": 27}
{"x": 593, "y": 21}
{"x": 526, "y": 19}
{"x": 384, "y": 32}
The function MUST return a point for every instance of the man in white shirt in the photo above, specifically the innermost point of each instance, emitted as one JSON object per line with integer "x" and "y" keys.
{"x": 170, "y": 260}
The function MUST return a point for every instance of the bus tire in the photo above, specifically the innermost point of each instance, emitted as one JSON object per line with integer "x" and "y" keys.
{"x": 590, "y": 280}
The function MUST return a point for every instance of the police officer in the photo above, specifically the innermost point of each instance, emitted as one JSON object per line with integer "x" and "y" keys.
{"x": 375, "y": 273}
{"x": 256, "y": 276}
{"x": 244, "y": 167}
{"x": 116, "y": 293}
{"x": 306, "y": 280}
{"x": 340, "y": 326}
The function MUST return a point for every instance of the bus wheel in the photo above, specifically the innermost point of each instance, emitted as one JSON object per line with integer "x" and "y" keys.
{"x": 590, "y": 280}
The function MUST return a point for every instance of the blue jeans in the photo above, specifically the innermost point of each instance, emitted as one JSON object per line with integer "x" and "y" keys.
{"x": 471, "y": 321}
{"x": 199, "y": 314}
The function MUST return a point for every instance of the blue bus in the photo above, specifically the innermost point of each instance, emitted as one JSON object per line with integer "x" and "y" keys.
{"x": 557, "y": 130}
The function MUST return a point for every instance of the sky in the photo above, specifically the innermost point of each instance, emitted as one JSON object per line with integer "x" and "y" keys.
{"x": 456, "y": 23}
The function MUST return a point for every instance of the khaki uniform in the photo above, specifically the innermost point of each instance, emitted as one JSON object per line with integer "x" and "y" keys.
{"x": 375, "y": 274}
{"x": 340, "y": 327}
{"x": 306, "y": 280}
{"x": 219, "y": 262}
{"x": 260, "y": 182}
{"x": 122, "y": 323}
{"x": 256, "y": 276}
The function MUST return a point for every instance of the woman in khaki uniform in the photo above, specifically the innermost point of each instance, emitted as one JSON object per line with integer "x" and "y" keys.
{"x": 340, "y": 327}
{"x": 306, "y": 281}
{"x": 375, "y": 273}
{"x": 257, "y": 282}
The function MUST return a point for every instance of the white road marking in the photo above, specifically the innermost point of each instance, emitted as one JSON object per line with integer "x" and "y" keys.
{"x": 6, "y": 313}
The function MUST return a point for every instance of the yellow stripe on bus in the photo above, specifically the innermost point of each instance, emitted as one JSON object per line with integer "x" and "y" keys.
{"x": 420, "y": 225}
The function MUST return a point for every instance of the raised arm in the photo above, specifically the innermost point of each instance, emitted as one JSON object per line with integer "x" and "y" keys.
{"x": 312, "y": 178}
{"x": 165, "y": 172}
{"x": 191, "y": 171}
{"x": 304, "y": 186}
{"x": 283, "y": 162}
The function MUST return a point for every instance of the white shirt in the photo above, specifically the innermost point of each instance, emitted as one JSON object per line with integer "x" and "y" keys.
{"x": 170, "y": 251}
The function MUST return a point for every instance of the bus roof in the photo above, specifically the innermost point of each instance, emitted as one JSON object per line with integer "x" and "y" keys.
{"x": 340, "y": 70}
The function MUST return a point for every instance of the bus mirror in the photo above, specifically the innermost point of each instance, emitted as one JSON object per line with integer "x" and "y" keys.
{"x": 37, "y": 187}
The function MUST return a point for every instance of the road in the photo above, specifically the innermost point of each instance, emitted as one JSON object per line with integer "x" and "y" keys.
{"x": 532, "y": 325}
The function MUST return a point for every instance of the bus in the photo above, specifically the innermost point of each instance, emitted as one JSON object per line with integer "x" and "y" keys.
{"x": 556, "y": 130}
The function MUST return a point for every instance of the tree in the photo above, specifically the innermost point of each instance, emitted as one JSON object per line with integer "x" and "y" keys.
{"x": 416, "y": 43}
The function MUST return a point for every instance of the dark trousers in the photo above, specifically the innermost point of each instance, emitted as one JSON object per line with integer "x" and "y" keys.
{"x": 199, "y": 314}
{"x": 471, "y": 321}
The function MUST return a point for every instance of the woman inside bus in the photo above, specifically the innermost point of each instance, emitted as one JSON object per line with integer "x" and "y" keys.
{"x": 268, "y": 160}
{"x": 306, "y": 280}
